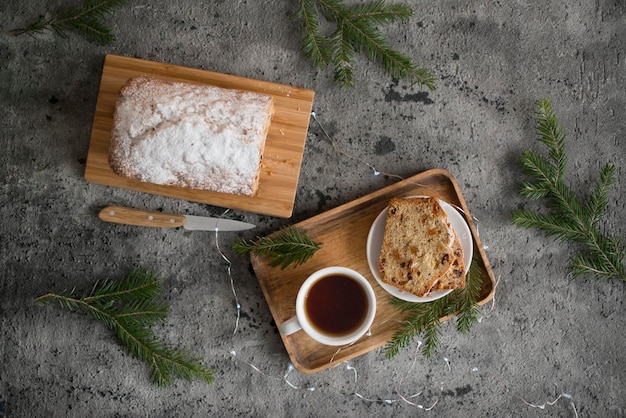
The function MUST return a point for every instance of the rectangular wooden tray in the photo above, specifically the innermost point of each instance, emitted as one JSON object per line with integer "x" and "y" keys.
{"x": 343, "y": 232}
{"x": 282, "y": 156}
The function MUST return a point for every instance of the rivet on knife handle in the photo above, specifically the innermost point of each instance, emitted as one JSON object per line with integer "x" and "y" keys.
{"x": 131, "y": 216}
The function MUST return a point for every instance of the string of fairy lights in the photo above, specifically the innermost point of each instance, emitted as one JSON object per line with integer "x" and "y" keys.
{"x": 410, "y": 400}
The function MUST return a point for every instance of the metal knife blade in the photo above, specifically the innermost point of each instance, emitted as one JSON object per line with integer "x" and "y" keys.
{"x": 139, "y": 217}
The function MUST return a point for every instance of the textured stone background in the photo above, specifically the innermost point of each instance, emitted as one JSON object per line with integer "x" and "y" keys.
{"x": 545, "y": 336}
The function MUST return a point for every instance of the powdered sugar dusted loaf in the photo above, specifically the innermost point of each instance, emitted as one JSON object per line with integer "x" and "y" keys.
{"x": 190, "y": 135}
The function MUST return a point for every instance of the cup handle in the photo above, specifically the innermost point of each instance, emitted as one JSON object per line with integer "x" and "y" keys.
{"x": 290, "y": 326}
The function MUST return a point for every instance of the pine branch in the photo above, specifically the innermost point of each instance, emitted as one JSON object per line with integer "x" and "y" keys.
{"x": 356, "y": 31}
{"x": 146, "y": 312}
{"x": 286, "y": 247}
{"x": 568, "y": 218}
{"x": 598, "y": 201}
{"x": 341, "y": 52}
{"x": 165, "y": 362}
{"x": 425, "y": 318}
{"x": 362, "y": 32}
{"x": 87, "y": 20}
{"x": 551, "y": 224}
{"x": 378, "y": 12}
{"x": 130, "y": 308}
{"x": 138, "y": 284}
{"x": 314, "y": 46}
{"x": 465, "y": 303}
{"x": 418, "y": 317}
{"x": 550, "y": 133}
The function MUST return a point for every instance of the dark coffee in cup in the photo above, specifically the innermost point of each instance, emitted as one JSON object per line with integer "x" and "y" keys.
{"x": 336, "y": 305}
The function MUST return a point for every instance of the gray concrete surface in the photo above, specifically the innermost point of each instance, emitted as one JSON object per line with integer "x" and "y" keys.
{"x": 547, "y": 345}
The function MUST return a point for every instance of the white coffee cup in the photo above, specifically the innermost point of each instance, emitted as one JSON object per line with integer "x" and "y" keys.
{"x": 339, "y": 323}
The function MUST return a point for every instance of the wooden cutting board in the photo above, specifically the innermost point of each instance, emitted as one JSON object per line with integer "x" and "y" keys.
{"x": 343, "y": 232}
{"x": 282, "y": 156}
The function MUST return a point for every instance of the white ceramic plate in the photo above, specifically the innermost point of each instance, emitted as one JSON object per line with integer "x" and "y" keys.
{"x": 375, "y": 244}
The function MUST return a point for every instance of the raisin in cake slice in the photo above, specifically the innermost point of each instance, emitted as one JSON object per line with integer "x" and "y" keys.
{"x": 455, "y": 277}
{"x": 417, "y": 245}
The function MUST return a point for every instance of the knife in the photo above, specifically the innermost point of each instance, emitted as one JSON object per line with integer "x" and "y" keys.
{"x": 132, "y": 216}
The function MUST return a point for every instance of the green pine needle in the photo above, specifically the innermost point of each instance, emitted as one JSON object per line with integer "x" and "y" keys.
{"x": 598, "y": 201}
{"x": 465, "y": 302}
{"x": 356, "y": 31}
{"x": 87, "y": 20}
{"x": 568, "y": 218}
{"x": 287, "y": 246}
{"x": 425, "y": 318}
{"x": 138, "y": 284}
{"x": 314, "y": 45}
{"x": 130, "y": 308}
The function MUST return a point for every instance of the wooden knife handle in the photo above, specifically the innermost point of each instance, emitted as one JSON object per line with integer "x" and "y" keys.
{"x": 131, "y": 216}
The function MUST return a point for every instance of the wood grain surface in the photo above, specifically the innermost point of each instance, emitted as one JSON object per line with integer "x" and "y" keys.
{"x": 343, "y": 232}
{"x": 139, "y": 217}
{"x": 282, "y": 156}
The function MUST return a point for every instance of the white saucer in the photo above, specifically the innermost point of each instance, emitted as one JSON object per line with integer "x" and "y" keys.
{"x": 375, "y": 243}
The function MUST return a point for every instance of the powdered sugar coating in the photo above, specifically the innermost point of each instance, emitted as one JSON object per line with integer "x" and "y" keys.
{"x": 189, "y": 135}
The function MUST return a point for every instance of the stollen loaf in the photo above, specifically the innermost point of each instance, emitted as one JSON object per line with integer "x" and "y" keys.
{"x": 190, "y": 135}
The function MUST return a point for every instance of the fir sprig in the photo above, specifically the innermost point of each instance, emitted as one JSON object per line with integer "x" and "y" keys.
{"x": 356, "y": 31}
{"x": 569, "y": 218}
{"x": 130, "y": 307}
{"x": 87, "y": 19}
{"x": 425, "y": 318}
{"x": 285, "y": 247}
